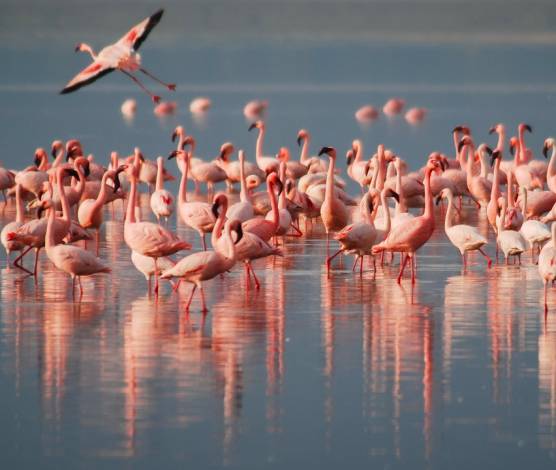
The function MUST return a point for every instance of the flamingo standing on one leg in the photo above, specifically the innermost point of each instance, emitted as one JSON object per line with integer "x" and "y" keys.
{"x": 409, "y": 236}
{"x": 121, "y": 56}
{"x": 145, "y": 237}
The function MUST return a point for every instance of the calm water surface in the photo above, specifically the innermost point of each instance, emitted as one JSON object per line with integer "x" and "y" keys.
{"x": 310, "y": 370}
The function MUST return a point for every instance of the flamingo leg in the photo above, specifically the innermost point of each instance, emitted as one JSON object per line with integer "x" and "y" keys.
{"x": 149, "y": 284}
{"x": 402, "y": 267}
{"x": 464, "y": 261}
{"x": 355, "y": 263}
{"x": 204, "y": 304}
{"x": 97, "y": 239}
{"x": 257, "y": 283}
{"x": 204, "y": 242}
{"x": 170, "y": 86}
{"x": 330, "y": 258}
{"x": 155, "y": 98}
{"x": 80, "y": 287}
{"x": 18, "y": 259}
{"x": 298, "y": 233}
{"x": 156, "y": 277}
{"x": 413, "y": 267}
{"x": 73, "y": 288}
{"x": 190, "y": 298}
{"x": 36, "y": 261}
{"x": 361, "y": 258}
{"x": 247, "y": 276}
{"x": 489, "y": 261}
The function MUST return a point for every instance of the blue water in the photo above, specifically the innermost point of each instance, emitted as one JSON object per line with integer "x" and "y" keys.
{"x": 309, "y": 371}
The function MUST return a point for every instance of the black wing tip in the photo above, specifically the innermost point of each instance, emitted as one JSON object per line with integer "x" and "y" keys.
{"x": 157, "y": 15}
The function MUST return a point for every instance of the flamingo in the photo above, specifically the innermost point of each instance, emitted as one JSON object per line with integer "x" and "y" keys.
{"x": 537, "y": 168}
{"x": 493, "y": 205}
{"x": 464, "y": 237}
{"x": 547, "y": 264}
{"x": 197, "y": 215}
{"x": 510, "y": 241}
{"x": 333, "y": 211}
{"x": 284, "y": 216}
{"x": 242, "y": 210}
{"x": 505, "y": 166}
{"x": 145, "y": 265}
{"x": 206, "y": 265}
{"x": 71, "y": 259}
{"x": 200, "y": 105}
{"x": 232, "y": 168}
{"x": 265, "y": 229}
{"x": 356, "y": 166}
{"x": 409, "y": 236}
{"x": 32, "y": 178}
{"x": 479, "y": 186}
{"x": 147, "y": 238}
{"x": 90, "y": 213}
{"x": 294, "y": 170}
{"x": 550, "y": 143}
{"x": 265, "y": 163}
{"x": 162, "y": 201}
{"x": 366, "y": 114}
{"x": 415, "y": 116}
{"x": 255, "y": 109}
{"x": 393, "y": 107}
{"x": 533, "y": 231}
{"x": 129, "y": 108}
{"x": 33, "y": 233}
{"x": 121, "y": 56}
{"x": 7, "y": 181}
{"x": 204, "y": 172}
{"x": 13, "y": 245}
{"x": 313, "y": 163}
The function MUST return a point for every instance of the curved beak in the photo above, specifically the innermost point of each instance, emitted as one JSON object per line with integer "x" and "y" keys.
{"x": 174, "y": 136}
{"x": 53, "y": 151}
{"x": 77, "y": 48}
{"x": 40, "y": 211}
{"x": 442, "y": 165}
{"x": 280, "y": 186}
{"x": 324, "y": 150}
{"x": 252, "y": 126}
{"x": 214, "y": 209}
{"x": 494, "y": 156}
{"x": 86, "y": 169}
{"x": 527, "y": 127}
{"x": 299, "y": 141}
{"x": 457, "y": 129}
{"x": 173, "y": 154}
{"x": 488, "y": 150}
{"x": 394, "y": 194}
{"x": 438, "y": 199}
{"x": 71, "y": 172}
{"x": 349, "y": 161}
{"x": 492, "y": 130}
{"x": 239, "y": 230}
{"x": 37, "y": 160}
{"x": 512, "y": 149}
{"x": 545, "y": 148}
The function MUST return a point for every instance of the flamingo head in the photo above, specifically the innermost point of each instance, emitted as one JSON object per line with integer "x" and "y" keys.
{"x": 350, "y": 155}
{"x": 84, "y": 164}
{"x": 57, "y": 145}
{"x": 272, "y": 180}
{"x": 235, "y": 226}
{"x": 73, "y": 149}
{"x": 257, "y": 125}
{"x": 116, "y": 178}
{"x": 495, "y": 155}
{"x": 466, "y": 141}
{"x": 283, "y": 155}
{"x": 525, "y": 127}
{"x": 252, "y": 182}
{"x": 462, "y": 130}
{"x": 438, "y": 162}
{"x": 188, "y": 141}
{"x": 178, "y": 132}
{"x": 514, "y": 144}
{"x": 496, "y": 128}
{"x": 220, "y": 200}
{"x": 330, "y": 151}
{"x": 40, "y": 157}
{"x": 302, "y": 135}
{"x": 226, "y": 150}
{"x": 548, "y": 144}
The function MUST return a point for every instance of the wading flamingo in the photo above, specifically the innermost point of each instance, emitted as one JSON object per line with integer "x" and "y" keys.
{"x": 162, "y": 200}
{"x": 510, "y": 242}
{"x": 121, "y": 56}
{"x": 547, "y": 264}
{"x": 14, "y": 245}
{"x": 534, "y": 231}
{"x": 266, "y": 163}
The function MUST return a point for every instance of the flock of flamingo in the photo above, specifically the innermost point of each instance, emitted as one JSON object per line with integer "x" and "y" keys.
{"x": 73, "y": 190}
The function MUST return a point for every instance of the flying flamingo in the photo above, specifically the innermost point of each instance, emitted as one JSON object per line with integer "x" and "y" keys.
{"x": 71, "y": 259}
{"x": 547, "y": 264}
{"x": 121, "y": 56}
{"x": 13, "y": 245}
{"x": 162, "y": 201}
{"x": 464, "y": 237}
{"x": 206, "y": 265}
{"x": 197, "y": 215}
{"x": 409, "y": 236}
{"x": 145, "y": 237}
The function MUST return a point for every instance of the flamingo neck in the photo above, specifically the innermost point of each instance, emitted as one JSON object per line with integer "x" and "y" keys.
{"x": 524, "y": 202}
{"x": 274, "y": 205}
{"x": 429, "y": 209}
{"x": 522, "y": 147}
{"x": 159, "y": 175}
{"x": 130, "y": 215}
{"x": 49, "y": 240}
{"x": 44, "y": 163}
{"x": 400, "y": 206}
{"x": 80, "y": 186}
{"x": 469, "y": 164}
{"x": 18, "y": 205}
{"x": 381, "y": 171}
{"x": 495, "y": 191}
{"x": 244, "y": 195}
{"x": 449, "y": 220}
{"x": 259, "y": 145}
{"x": 551, "y": 171}
{"x": 553, "y": 232}
{"x": 230, "y": 246}
{"x": 304, "y": 156}
{"x": 63, "y": 198}
{"x": 102, "y": 195}
{"x": 510, "y": 190}
{"x": 59, "y": 158}
{"x": 501, "y": 221}
{"x": 386, "y": 212}
{"x": 182, "y": 195}
{"x": 484, "y": 167}
{"x": 218, "y": 226}
{"x": 282, "y": 198}
{"x": 329, "y": 191}
{"x": 358, "y": 152}
{"x": 501, "y": 140}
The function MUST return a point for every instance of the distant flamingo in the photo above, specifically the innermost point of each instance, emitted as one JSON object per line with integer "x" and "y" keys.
{"x": 547, "y": 264}
{"x": 121, "y": 56}
{"x": 409, "y": 236}
{"x": 393, "y": 107}
{"x": 71, "y": 259}
{"x": 144, "y": 237}
{"x": 366, "y": 114}
{"x": 415, "y": 116}
{"x": 206, "y": 265}
{"x": 162, "y": 200}
{"x": 200, "y": 105}
{"x": 464, "y": 237}
{"x": 255, "y": 109}
{"x": 128, "y": 108}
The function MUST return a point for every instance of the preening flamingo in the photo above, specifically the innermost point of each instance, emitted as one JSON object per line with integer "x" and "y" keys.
{"x": 121, "y": 56}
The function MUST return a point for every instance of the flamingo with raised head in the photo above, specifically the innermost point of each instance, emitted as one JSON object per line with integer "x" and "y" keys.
{"x": 266, "y": 163}
{"x": 242, "y": 210}
{"x": 121, "y": 56}
{"x": 313, "y": 163}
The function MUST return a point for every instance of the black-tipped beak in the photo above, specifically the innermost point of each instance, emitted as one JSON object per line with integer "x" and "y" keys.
{"x": 37, "y": 160}
{"x": 488, "y": 150}
{"x": 494, "y": 156}
{"x": 457, "y": 129}
{"x": 349, "y": 161}
{"x": 252, "y": 126}
{"x": 438, "y": 199}
{"x": 141, "y": 157}
{"x": 299, "y": 141}
{"x": 325, "y": 150}
{"x": 492, "y": 130}
{"x": 512, "y": 149}
{"x": 53, "y": 152}
{"x": 214, "y": 209}
{"x": 173, "y": 154}
{"x": 239, "y": 230}
{"x": 370, "y": 206}
{"x": 395, "y": 195}
{"x": 280, "y": 186}
{"x": 442, "y": 165}
{"x": 545, "y": 150}
{"x": 70, "y": 153}
{"x": 71, "y": 172}
{"x": 461, "y": 144}
{"x": 40, "y": 211}
{"x": 117, "y": 183}
{"x": 528, "y": 128}
{"x": 86, "y": 169}
{"x": 77, "y": 48}
{"x": 174, "y": 136}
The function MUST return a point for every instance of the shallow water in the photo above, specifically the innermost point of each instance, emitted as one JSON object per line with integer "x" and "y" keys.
{"x": 309, "y": 370}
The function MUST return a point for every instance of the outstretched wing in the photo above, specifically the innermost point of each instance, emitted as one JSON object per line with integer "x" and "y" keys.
{"x": 87, "y": 75}
{"x": 136, "y": 35}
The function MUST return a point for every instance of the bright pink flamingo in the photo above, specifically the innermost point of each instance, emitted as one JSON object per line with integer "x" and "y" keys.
{"x": 162, "y": 201}
{"x": 145, "y": 237}
{"x": 409, "y": 236}
{"x": 121, "y": 56}
{"x": 71, "y": 259}
{"x": 204, "y": 172}
{"x": 206, "y": 265}
{"x": 195, "y": 214}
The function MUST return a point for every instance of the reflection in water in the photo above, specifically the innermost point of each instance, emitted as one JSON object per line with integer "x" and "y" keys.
{"x": 121, "y": 376}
